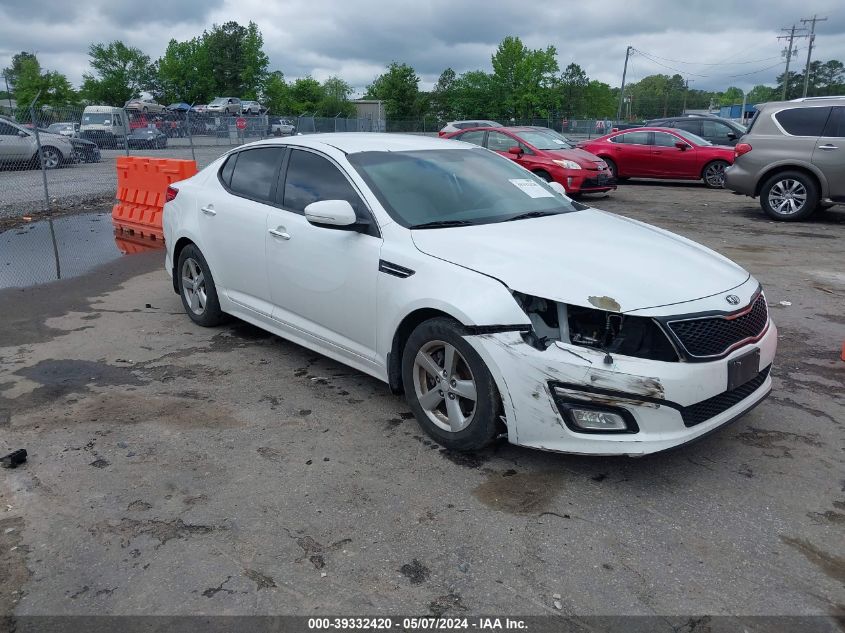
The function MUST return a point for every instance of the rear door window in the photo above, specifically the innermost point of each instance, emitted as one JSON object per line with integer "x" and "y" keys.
{"x": 803, "y": 121}
{"x": 499, "y": 142}
{"x": 254, "y": 173}
{"x": 632, "y": 138}
{"x": 476, "y": 137}
{"x": 662, "y": 139}
{"x": 836, "y": 123}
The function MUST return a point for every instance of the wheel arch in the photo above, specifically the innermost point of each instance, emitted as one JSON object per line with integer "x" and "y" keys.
{"x": 178, "y": 247}
{"x": 782, "y": 167}
{"x": 710, "y": 162}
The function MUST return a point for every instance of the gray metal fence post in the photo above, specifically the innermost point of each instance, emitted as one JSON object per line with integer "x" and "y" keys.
{"x": 40, "y": 155}
{"x": 190, "y": 132}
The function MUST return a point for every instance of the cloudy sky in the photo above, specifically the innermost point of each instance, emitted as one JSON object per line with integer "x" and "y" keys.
{"x": 713, "y": 43}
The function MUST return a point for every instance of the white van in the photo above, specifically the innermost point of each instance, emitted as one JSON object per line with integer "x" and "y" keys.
{"x": 105, "y": 125}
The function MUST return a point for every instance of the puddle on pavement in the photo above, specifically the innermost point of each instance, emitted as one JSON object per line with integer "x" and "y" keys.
{"x": 64, "y": 247}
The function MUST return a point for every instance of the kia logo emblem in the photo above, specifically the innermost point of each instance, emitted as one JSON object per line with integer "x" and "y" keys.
{"x": 732, "y": 299}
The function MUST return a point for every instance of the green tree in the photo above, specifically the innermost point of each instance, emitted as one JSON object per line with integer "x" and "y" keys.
{"x": 522, "y": 78}
{"x": 473, "y": 96}
{"x": 183, "y": 73}
{"x": 120, "y": 73}
{"x": 335, "y": 99}
{"x": 306, "y": 95}
{"x": 399, "y": 89}
{"x": 51, "y": 87}
{"x": 761, "y": 94}
{"x": 277, "y": 95}
{"x": 599, "y": 100}
{"x": 443, "y": 95}
{"x": 657, "y": 95}
{"x": 573, "y": 83}
{"x": 237, "y": 62}
{"x": 731, "y": 96}
{"x": 19, "y": 61}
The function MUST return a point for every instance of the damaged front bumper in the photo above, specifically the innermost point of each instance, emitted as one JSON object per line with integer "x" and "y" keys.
{"x": 665, "y": 404}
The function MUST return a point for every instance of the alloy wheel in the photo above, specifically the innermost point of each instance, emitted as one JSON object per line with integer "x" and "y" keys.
{"x": 444, "y": 386}
{"x": 49, "y": 158}
{"x": 787, "y": 196}
{"x": 193, "y": 286}
{"x": 714, "y": 176}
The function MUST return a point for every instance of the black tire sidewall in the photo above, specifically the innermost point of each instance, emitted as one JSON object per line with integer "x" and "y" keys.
{"x": 611, "y": 165}
{"x": 212, "y": 315}
{"x": 810, "y": 204}
{"x": 483, "y": 427}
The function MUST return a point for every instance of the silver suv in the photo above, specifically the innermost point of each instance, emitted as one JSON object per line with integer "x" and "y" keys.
{"x": 224, "y": 105}
{"x": 793, "y": 157}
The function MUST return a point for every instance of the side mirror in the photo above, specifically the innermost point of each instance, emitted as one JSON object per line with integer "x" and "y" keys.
{"x": 22, "y": 134}
{"x": 732, "y": 135}
{"x": 559, "y": 188}
{"x": 682, "y": 146}
{"x": 517, "y": 151}
{"x": 331, "y": 214}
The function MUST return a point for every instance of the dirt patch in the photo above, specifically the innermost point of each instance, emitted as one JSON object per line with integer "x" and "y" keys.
{"x": 771, "y": 441}
{"x": 128, "y": 530}
{"x": 449, "y": 602}
{"x": 831, "y": 565}
{"x": 520, "y": 494}
{"x": 415, "y": 571}
{"x": 261, "y": 581}
{"x": 13, "y": 570}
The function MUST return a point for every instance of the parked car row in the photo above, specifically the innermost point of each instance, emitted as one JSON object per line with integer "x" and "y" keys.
{"x": 19, "y": 147}
{"x": 230, "y": 106}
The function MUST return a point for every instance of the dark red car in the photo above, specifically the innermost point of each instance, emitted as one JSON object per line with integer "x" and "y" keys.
{"x": 546, "y": 154}
{"x": 653, "y": 152}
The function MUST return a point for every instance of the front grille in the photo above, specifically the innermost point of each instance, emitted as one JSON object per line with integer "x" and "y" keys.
{"x": 717, "y": 335}
{"x": 710, "y": 408}
{"x": 600, "y": 181}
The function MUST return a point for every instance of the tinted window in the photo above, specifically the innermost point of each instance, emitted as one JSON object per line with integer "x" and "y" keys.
{"x": 7, "y": 130}
{"x": 632, "y": 138}
{"x": 716, "y": 132}
{"x": 499, "y": 142}
{"x": 311, "y": 178}
{"x": 803, "y": 121}
{"x": 689, "y": 126}
{"x": 476, "y": 137}
{"x": 836, "y": 123}
{"x": 662, "y": 139}
{"x": 255, "y": 173}
{"x": 228, "y": 167}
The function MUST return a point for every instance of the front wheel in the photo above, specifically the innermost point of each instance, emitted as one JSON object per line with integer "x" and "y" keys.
{"x": 714, "y": 174}
{"x": 612, "y": 167}
{"x": 789, "y": 196}
{"x": 448, "y": 386}
{"x": 197, "y": 289}
{"x": 545, "y": 175}
{"x": 50, "y": 157}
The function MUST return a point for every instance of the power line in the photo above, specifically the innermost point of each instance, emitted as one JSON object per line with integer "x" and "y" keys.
{"x": 812, "y": 21}
{"x": 678, "y": 61}
{"x": 719, "y": 76}
{"x": 791, "y": 37}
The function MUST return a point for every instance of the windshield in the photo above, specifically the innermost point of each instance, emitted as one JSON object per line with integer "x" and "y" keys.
{"x": 218, "y": 101}
{"x": 59, "y": 127}
{"x": 544, "y": 140}
{"x": 472, "y": 186}
{"x": 96, "y": 118}
{"x": 692, "y": 138}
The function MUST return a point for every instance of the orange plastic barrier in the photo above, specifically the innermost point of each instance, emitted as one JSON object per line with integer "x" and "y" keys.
{"x": 129, "y": 241}
{"x": 141, "y": 185}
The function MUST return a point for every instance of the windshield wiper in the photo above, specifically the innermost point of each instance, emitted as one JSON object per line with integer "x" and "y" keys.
{"x": 531, "y": 214}
{"x": 441, "y": 224}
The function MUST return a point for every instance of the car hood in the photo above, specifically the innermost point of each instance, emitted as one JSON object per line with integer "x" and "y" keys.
{"x": 580, "y": 156}
{"x": 588, "y": 258}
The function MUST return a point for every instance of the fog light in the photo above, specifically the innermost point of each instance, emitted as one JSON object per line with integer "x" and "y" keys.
{"x": 596, "y": 420}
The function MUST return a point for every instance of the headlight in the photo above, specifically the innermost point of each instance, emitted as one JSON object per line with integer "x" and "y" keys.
{"x": 567, "y": 164}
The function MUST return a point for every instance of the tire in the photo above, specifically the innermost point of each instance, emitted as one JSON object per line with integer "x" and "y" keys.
{"x": 544, "y": 175}
{"x": 713, "y": 174}
{"x": 789, "y": 196}
{"x": 192, "y": 266}
{"x": 612, "y": 167}
{"x": 51, "y": 158}
{"x": 455, "y": 421}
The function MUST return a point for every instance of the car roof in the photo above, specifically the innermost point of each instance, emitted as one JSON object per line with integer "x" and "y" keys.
{"x": 354, "y": 142}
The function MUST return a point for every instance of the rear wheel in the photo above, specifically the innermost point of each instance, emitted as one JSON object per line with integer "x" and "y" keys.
{"x": 789, "y": 196}
{"x": 448, "y": 386}
{"x": 713, "y": 174}
{"x": 197, "y": 289}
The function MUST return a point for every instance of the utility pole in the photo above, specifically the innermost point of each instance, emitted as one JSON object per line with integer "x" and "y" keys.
{"x": 812, "y": 22}
{"x": 686, "y": 89}
{"x": 622, "y": 89}
{"x": 790, "y": 37}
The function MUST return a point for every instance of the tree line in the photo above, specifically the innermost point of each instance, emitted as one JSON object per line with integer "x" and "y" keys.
{"x": 525, "y": 83}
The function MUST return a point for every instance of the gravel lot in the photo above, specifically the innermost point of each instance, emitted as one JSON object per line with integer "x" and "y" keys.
{"x": 176, "y": 470}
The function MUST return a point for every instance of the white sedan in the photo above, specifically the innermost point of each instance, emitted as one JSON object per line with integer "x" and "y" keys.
{"x": 493, "y": 301}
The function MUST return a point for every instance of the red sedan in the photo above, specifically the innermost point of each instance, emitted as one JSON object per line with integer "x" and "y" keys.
{"x": 653, "y": 152}
{"x": 546, "y": 154}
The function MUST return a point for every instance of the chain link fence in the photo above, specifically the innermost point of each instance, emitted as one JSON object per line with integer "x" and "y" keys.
{"x": 53, "y": 158}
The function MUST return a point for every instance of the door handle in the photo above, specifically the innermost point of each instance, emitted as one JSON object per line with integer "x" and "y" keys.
{"x": 657, "y": 151}
{"x": 209, "y": 210}
{"x": 829, "y": 146}
{"x": 279, "y": 233}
